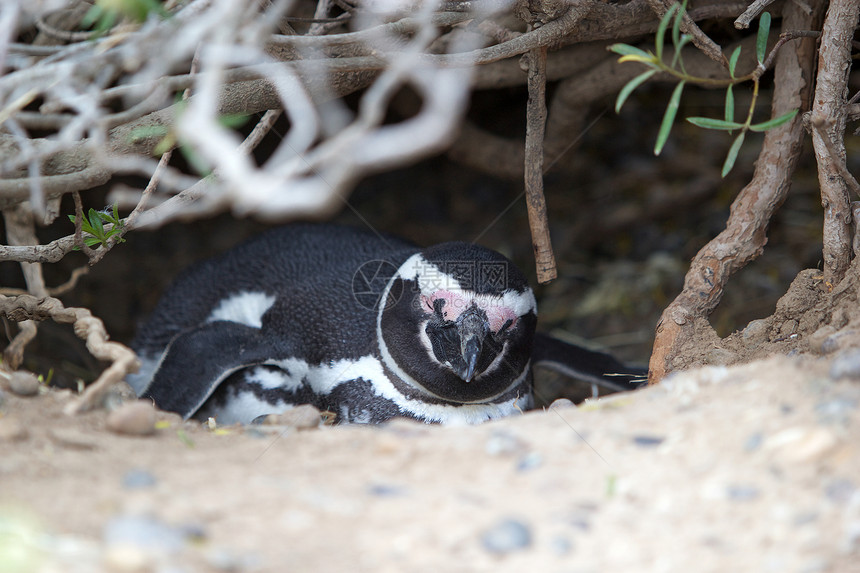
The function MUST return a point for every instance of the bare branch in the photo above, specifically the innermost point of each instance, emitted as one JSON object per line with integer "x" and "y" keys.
{"x": 745, "y": 234}
{"x": 829, "y": 109}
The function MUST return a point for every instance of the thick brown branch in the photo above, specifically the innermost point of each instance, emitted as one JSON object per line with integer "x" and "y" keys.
{"x": 831, "y": 93}
{"x": 745, "y": 234}
{"x": 535, "y": 200}
{"x": 87, "y": 327}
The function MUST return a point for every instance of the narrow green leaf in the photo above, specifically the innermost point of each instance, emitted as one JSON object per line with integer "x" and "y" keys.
{"x": 775, "y": 122}
{"x": 761, "y": 39}
{"x": 668, "y": 118}
{"x": 116, "y": 214}
{"x": 710, "y": 123}
{"x": 676, "y": 58}
{"x": 730, "y": 104}
{"x": 628, "y": 50}
{"x": 676, "y": 27}
{"x": 98, "y": 229}
{"x": 733, "y": 61}
{"x": 733, "y": 154}
{"x": 72, "y": 218}
{"x": 92, "y": 241}
{"x": 233, "y": 120}
{"x": 661, "y": 30}
{"x": 147, "y": 131}
{"x": 630, "y": 86}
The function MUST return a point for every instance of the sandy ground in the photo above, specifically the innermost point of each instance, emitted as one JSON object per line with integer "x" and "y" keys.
{"x": 750, "y": 468}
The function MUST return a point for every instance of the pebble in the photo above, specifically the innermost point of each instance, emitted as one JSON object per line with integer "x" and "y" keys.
{"x": 530, "y": 461}
{"x": 24, "y": 383}
{"x": 144, "y": 531}
{"x": 742, "y": 492}
{"x": 801, "y": 444}
{"x": 819, "y": 337}
{"x": 507, "y": 536}
{"x": 840, "y": 490}
{"x": 647, "y": 441}
{"x": 846, "y": 365}
{"x": 756, "y": 329}
{"x": 134, "y": 419}
{"x": 301, "y": 417}
{"x": 560, "y": 403}
{"x": 72, "y": 439}
{"x": 138, "y": 479}
{"x": 502, "y": 443}
{"x": 720, "y": 357}
{"x": 12, "y": 430}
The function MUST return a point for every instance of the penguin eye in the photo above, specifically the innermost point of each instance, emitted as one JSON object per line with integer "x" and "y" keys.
{"x": 508, "y": 323}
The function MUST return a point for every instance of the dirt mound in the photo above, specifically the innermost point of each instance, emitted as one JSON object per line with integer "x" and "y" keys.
{"x": 750, "y": 468}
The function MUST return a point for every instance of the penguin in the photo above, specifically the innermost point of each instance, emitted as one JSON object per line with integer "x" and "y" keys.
{"x": 364, "y": 325}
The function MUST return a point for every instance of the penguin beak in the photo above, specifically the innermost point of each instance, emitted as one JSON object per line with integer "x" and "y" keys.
{"x": 472, "y": 329}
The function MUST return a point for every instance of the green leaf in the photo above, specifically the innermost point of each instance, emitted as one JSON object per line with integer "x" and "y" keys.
{"x": 668, "y": 118}
{"x": 733, "y": 154}
{"x": 96, "y": 225}
{"x": 730, "y": 104}
{"x": 761, "y": 39}
{"x": 147, "y": 131}
{"x": 775, "y": 122}
{"x": 628, "y": 50}
{"x": 233, "y": 120}
{"x": 733, "y": 61}
{"x": 676, "y": 27}
{"x": 661, "y": 30}
{"x": 710, "y": 123}
{"x": 630, "y": 86}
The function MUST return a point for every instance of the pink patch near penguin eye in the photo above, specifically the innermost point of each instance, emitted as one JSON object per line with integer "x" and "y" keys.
{"x": 498, "y": 316}
{"x": 455, "y": 304}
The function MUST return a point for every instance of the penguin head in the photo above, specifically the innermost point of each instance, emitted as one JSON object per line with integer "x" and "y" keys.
{"x": 459, "y": 323}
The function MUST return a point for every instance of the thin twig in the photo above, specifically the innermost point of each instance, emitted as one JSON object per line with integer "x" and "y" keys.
{"x": 535, "y": 200}
{"x": 823, "y": 126}
{"x": 743, "y": 21}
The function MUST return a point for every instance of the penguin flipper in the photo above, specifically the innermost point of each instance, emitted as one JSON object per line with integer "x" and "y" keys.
{"x": 588, "y": 365}
{"x": 198, "y": 360}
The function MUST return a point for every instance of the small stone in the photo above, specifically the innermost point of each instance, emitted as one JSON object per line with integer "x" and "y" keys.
{"x": 134, "y": 419}
{"x": 138, "y": 479}
{"x": 386, "y": 490}
{"x": 561, "y": 403}
{"x": 756, "y": 330}
{"x": 647, "y": 441}
{"x": 817, "y": 338}
{"x": 840, "y": 490}
{"x": 502, "y": 443}
{"x": 530, "y": 461}
{"x": 301, "y": 417}
{"x": 742, "y": 492}
{"x": 720, "y": 357}
{"x": 846, "y": 365}
{"x": 12, "y": 430}
{"x": 119, "y": 394}
{"x": 507, "y": 536}
{"x": 801, "y": 444}
{"x": 127, "y": 559}
{"x": 754, "y": 442}
{"x": 72, "y": 439}
{"x": 24, "y": 383}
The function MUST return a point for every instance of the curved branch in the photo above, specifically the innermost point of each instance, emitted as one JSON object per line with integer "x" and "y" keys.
{"x": 829, "y": 109}
{"x": 745, "y": 234}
